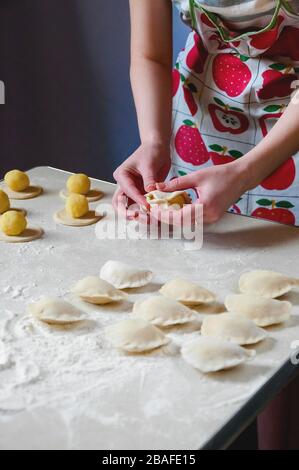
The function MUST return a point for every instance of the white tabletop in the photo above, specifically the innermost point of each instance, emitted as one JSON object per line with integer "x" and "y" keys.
{"x": 67, "y": 389}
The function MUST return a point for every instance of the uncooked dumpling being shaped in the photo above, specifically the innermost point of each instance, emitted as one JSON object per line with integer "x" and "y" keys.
{"x": 187, "y": 292}
{"x": 123, "y": 276}
{"x": 213, "y": 354}
{"x": 55, "y": 311}
{"x": 94, "y": 290}
{"x": 264, "y": 312}
{"x": 162, "y": 311}
{"x": 175, "y": 200}
{"x": 231, "y": 327}
{"x": 268, "y": 284}
{"x": 135, "y": 335}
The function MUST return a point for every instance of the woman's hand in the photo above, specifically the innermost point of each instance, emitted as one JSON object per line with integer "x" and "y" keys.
{"x": 138, "y": 175}
{"x": 151, "y": 80}
{"x": 218, "y": 187}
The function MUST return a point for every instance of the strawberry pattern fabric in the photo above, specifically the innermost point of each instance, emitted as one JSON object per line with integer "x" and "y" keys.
{"x": 231, "y": 83}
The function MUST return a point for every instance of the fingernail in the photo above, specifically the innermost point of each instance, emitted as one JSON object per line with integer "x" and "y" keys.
{"x": 131, "y": 213}
{"x": 161, "y": 185}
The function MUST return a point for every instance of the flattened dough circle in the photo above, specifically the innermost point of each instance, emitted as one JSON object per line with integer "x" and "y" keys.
{"x": 29, "y": 193}
{"x": 29, "y": 234}
{"x": 92, "y": 195}
{"x": 62, "y": 217}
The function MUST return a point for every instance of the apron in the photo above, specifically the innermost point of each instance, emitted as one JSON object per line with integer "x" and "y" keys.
{"x": 231, "y": 83}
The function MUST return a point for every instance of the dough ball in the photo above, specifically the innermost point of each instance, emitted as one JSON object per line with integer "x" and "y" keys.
{"x": 79, "y": 184}
{"x": 76, "y": 205}
{"x": 4, "y": 202}
{"x": 17, "y": 180}
{"x": 13, "y": 223}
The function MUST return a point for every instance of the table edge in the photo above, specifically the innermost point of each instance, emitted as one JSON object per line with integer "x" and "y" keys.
{"x": 249, "y": 411}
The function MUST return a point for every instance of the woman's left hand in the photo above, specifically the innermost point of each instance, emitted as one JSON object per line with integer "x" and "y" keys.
{"x": 218, "y": 187}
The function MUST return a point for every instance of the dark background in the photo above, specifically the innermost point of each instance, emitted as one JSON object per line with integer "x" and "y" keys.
{"x": 65, "y": 65}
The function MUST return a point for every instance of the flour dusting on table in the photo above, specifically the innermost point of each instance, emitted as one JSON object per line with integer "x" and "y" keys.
{"x": 71, "y": 383}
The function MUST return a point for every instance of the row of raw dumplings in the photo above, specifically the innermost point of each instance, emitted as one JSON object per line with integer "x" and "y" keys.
{"x": 222, "y": 335}
{"x": 219, "y": 346}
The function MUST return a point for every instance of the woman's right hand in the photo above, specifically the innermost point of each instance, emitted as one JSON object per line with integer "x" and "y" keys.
{"x": 137, "y": 175}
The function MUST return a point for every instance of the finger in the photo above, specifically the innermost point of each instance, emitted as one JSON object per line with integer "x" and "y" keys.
{"x": 128, "y": 186}
{"x": 162, "y": 173}
{"x": 149, "y": 187}
{"x": 183, "y": 182}
{"x": 188, "y": 215}
{"x": 121, "y": 202}
{"x": 118, "y": 198}
{"x": 211, "y": 216}
{"x": 142, "y": 218}
{"x": 149, "y": 182}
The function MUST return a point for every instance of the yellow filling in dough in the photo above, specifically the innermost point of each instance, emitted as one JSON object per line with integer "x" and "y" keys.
{"x": 76, "y": 205}
{"x": 13, "y": 223}
{"x": 4, "y": 202}
{"x": 17, "y": 180}
{"x": 79, "y": 184}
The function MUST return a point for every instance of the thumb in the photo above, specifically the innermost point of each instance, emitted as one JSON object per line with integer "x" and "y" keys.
{"x": 149, "y": 181}
{"x": 183, "y": 182}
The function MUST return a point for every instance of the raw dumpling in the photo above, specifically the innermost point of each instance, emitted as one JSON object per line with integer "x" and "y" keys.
{"x": 268, "y": 284}
{"x": 123, "y": 276}
{"x": 55, "y": 311}
{"x": 162, "y": 311}
{"x": 263, "y": 312}
{"x": 213, "y": 354}
{"x": 187, "y": 292}
{"x": 174, "y": 200}
{"x": 231, "y": 327}
{"x": 135, "y": 335}
{"x": 94, "y": 290}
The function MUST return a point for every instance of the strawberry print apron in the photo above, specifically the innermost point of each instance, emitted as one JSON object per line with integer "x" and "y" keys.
{"x": 231, "y": 83}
